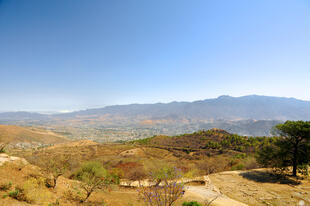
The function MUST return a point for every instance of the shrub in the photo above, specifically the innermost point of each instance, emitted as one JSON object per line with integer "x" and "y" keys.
{"x": 192, "y": 203}
{"x": 57, "y": 167}
{"x": 35, "y": 190}
{"x": 14, "y": 193}
{"x": 303, "y": 169}
{"x": 93, "y": 176}
{"x": 191, "y": 173}
{"x": 19, "y": 194}
{"x": 212, "y": 165}
{"x": 2, "y": 147}
{"x": 240, "y": 156}
{"x": 73, "y": 194}
{"x": 137, "y": 173}
{"x": 5, "y": 186}
{"x": 164, "y": 194}
{"x": 250, "y": 163}
{"x": 213, "y": 145}
{"x": 237, "y": 167}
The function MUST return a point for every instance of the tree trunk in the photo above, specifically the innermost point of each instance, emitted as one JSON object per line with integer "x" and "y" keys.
{"x": 87, "y": 196}
{"x": 55, "y": 181}
{"x": 295, "y": 161}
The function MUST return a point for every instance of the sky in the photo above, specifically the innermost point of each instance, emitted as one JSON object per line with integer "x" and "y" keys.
{"x": 65, "y": 55}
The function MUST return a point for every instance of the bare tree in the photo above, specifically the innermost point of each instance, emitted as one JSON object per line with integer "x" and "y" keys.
{"x": 166, "y": 190}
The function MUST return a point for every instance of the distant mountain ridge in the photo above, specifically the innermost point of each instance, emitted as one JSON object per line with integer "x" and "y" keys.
{"x": 251, "y": 115}
{"x": 224, "y": 108}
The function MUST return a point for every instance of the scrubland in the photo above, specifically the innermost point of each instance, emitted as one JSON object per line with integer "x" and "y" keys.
{"x": 196, "y": 155}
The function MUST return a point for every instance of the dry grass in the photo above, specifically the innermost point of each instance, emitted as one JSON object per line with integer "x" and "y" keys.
{"x": 15, "y": 134}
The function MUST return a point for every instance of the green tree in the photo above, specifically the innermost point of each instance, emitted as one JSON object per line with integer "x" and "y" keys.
{"x": 93, "y": 176}
{"x": 291, "y": 148}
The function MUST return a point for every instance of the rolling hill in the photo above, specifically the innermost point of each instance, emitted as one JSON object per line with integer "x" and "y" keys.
{"x": 23, "y": 136}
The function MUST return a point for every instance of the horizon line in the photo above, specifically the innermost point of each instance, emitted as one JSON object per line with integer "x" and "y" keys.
{"x": 64, "y": 111}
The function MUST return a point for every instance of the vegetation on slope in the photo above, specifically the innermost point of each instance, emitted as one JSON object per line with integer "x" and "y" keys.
{"x": 17, "y": 135}
{"x": 214, "y": 139}
{"x": 196, "y": 154}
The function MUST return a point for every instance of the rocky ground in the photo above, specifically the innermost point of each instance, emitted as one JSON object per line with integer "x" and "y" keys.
{"x": 6, "y": 158}
{"x": 259, "y": 187}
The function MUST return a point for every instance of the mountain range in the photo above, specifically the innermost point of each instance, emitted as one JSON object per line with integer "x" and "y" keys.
{"x": 223, "y": 107}
{"x": 235, "y": 114}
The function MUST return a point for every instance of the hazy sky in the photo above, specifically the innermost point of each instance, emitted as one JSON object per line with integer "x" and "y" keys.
{"x": 74, "y": 54}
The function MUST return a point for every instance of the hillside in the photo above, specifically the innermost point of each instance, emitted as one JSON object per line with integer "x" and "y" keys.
{"x": 28, "y": 136}
{"x": 214, "y": 140}
{"x": 250, "y": 187}
{"x": 196, "y": 155}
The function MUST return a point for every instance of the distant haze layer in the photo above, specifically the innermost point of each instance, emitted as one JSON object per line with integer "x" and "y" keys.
{"x": 247, "y": 115}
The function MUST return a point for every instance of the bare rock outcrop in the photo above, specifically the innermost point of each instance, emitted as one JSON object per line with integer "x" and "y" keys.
{"x": 6, "y": 158}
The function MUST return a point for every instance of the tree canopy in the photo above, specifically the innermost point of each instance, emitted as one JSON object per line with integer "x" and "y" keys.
{"x": 93, "y": 176}
{"x": 291, "y": 148}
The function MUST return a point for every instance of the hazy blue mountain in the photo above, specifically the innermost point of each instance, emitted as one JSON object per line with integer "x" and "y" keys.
{"x": 13, "y": 116}
{"x": 223, "y": 107}
{"x": 248, "y": 115}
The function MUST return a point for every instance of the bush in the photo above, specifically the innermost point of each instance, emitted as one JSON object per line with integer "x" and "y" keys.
{"x": 191, "y": 173}
{"x": 137, "y": 173}
{"x": 192, "y": 203}
{"x": 237, "y": 167}
{"x": 2, "y": 147}
{"x": 57, "y": 166}
{"x": 5, "y": 186}
{"x": 14, "y": 193}
{"x": 240, "y": 156}
{"x": 93, "y": 176}
{"x": 303, "y": 170}
{"x": 250, "y": 163}
{"x": 164, "y": 194}
{"x": 19, "y": 195}
{"x": 212, "y": 165}
{"x": 73, "y": 194}
{"x": 35, "y": 189}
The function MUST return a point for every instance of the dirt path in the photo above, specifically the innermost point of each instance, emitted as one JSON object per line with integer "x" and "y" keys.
{"x": 253, "y": 187}
{"x": 207, "y": 193}
{"x": 213, "y": 197}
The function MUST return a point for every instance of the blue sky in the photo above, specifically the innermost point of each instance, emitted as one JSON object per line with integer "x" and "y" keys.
{"x": 75, "y": 54}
